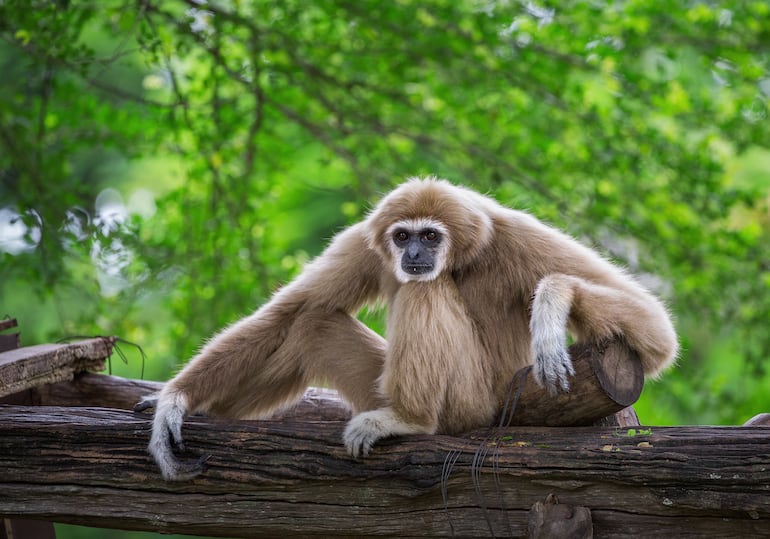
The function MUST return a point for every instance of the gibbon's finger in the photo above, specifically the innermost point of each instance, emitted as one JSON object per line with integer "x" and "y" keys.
{"x": 184, "y": 470}
{"x": 552, "y": 371}
{"x": 171, "y": 411}
{"x": 359, "y": 449}
{"x": 365, "y": 429}
{"x": 175, "y": 432}
{"x": 358, "y": 443}
{"x": 147, "y": 402}
{"x": 191, "y": 468}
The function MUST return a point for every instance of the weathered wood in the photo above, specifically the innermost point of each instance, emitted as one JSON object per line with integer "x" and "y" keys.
{"x": 32, "y": 366}
{"x": 26, "y": 529}
{"x": 267, "y": 478}
{"x": 104, "y": 391}
{"x": 608, "y": 378}
{"x": 9, "y": 341}
{"x": 8, "y": 323}
{"x": 759, "y": 420}
{"x": 550, "y": 519}
{"x": 624, "y": 418}
{"x": 318, "y": 404}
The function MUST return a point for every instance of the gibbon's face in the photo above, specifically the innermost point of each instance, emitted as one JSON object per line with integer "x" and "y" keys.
{"x": 418, "y": 248}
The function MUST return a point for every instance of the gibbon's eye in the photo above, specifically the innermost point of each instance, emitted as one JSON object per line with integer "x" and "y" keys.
{"x": 401, "y": 236}
{"x": 430, "y": 236}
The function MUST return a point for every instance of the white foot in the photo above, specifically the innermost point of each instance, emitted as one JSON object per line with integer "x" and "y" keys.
{"x": 368, "y": 427}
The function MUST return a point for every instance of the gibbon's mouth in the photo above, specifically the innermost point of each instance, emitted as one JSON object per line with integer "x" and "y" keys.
{"x": 417, "y": 269}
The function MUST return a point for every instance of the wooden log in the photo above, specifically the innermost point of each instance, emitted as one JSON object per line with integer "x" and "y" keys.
{"x": 89, "y": 466}
{"x": 608, "y": 379}
{"x": 759, "y": 420}
{"x": 32, "y": 366}
{"x": 318, "y": 404}
{"x": 104, "y": 391}
{"x": 550, "y": 519}
{"x": 624, "y": 418}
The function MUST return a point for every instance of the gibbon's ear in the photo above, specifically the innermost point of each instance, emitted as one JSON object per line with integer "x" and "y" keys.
{"x": 465, "y": 215}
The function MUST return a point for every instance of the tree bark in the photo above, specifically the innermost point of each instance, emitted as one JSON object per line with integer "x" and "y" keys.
{"x": 268, "y": 478}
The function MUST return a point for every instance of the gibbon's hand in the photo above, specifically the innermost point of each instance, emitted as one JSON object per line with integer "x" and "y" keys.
{"x": 551, "y": 306}
{"x": 169, "y": 437}
{"x": 552, "y": 370}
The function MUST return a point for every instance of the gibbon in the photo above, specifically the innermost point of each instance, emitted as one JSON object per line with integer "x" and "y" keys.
{"x": 475, "y": 291}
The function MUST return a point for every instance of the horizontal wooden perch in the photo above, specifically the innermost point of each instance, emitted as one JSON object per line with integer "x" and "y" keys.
{"x": 608, "y": 378}
{"x": 282, "y": 478}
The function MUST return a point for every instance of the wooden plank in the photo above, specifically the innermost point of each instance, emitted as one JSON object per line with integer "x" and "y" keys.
{"x": 32, "y": 366}
{"x": 269, "y": 478}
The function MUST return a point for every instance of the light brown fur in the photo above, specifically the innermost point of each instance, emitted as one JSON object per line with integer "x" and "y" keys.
{"x": 453, "y": 342}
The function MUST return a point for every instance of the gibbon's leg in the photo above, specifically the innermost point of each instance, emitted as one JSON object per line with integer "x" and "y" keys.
{"x": 319, "y": 346}
{"x": 338, "y": 350}
{"x": 265, "y": 360}
{"x": 596, "y": 311}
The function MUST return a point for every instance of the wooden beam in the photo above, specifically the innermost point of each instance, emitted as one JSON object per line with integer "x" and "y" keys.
{"x": 267, "y": 478}
{"x": 33, "y": 366}
{"x": 104, "y": 391}
{"x": 608, "y": 379}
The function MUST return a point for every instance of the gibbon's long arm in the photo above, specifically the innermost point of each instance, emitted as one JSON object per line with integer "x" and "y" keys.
{"x": 596, "y": 310}
{"x": 253, "y": 367}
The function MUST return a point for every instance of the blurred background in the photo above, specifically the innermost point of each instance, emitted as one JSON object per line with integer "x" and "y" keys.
{"x": 165, "y": 165}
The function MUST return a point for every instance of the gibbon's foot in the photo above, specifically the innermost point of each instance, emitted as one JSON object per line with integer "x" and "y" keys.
{"x": 174, "y": 468}
{"x": 147, "y": 402}
{"x": 362, "y": 431}
{"x": 367, "y": 428}
{"x": 184, "y": 470}
{"x": 552, "y": 370}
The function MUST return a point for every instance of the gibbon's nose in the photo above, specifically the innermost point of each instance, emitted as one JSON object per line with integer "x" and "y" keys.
{"x": 413, "y": 252}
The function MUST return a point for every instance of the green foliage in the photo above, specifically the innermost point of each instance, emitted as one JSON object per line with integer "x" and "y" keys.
{"x": 238, "y": 136}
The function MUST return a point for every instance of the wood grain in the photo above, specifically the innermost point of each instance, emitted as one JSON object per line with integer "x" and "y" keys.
{"x": 276, "y": 478}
